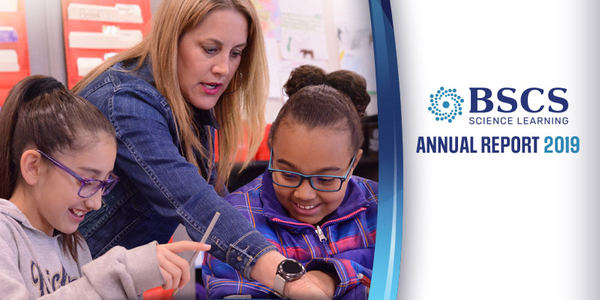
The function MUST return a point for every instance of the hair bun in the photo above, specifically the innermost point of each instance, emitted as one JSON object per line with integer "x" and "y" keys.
{"x": 303, "y": 76}
{"x": 353, "y": 85}
{"x": 348, "y": 82}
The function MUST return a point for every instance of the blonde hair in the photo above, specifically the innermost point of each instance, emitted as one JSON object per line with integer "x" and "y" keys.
{"x": 241, "y": 106}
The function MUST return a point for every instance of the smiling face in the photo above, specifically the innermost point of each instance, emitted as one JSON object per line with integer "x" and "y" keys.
{"x": 209, "y": 55}
{"x": 319, "y": 151}
{"x": 53, "y": 202}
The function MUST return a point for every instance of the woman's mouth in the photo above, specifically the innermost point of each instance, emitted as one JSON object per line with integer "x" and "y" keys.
{"x": 211, "y": 88}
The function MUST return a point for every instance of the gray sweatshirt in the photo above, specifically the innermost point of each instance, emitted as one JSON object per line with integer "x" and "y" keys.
{"x": 33, "y": 265}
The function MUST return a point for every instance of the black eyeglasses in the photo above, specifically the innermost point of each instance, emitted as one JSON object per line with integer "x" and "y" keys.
{"x": 323, "y": 183}
{"x": 89, "y": 186}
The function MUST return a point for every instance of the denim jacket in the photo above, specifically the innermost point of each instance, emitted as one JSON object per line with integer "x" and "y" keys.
{"x": 342, "y": 245}
{"x": 159, "y": 189}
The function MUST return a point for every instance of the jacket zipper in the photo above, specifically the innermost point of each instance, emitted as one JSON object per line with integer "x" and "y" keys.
{"x": 319, "y": 232}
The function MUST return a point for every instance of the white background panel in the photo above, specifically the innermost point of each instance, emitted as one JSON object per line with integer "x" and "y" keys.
{"x": 506, "y": 225}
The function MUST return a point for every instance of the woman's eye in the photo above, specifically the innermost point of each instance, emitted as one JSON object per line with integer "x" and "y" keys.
{"x": 211, "y": 50}
{"x": 236, "y": 53}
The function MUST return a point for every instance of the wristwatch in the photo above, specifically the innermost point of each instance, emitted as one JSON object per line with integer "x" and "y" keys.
{"x": 287, "y": 271}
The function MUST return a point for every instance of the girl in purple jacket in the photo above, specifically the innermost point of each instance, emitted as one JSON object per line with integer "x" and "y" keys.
{"x": 307, "y": 203}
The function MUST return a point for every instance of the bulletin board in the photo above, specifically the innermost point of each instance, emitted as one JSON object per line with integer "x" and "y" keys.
{"x": 297, "y": 33}
{"x": 14, "y": 53}
{"x": 294, "y": 35}
{"x": 355, "y": 39}
{"x": 94, "y": 30}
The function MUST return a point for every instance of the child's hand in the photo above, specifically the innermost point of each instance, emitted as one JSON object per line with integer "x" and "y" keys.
{"x": 326, "y": 282}
{"x": 176, "y": 270}
{"x": 305, "y": 288}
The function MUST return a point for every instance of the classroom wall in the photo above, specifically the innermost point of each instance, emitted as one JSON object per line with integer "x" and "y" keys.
{"x": 45, "y": 37}
{"x": 47, "y": 52}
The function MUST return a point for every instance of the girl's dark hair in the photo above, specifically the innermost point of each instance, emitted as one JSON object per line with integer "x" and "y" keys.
{"x": 41, "y": 113}
{"x": 317, "y": 99}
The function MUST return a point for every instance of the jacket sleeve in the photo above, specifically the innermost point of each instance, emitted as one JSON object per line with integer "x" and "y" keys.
{"x": 148, "y": 153}
{"x": 221, "y": 280}
{"x": 118, "y": 274}
{"x": 350, "y": 286}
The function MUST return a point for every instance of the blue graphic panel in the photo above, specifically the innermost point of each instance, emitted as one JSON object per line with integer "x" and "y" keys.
{"x": 386, "y": 269}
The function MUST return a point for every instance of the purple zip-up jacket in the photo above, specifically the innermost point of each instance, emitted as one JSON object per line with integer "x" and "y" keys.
{"x": 344, "y": 244}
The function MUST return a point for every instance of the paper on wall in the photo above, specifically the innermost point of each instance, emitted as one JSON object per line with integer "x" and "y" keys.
{"x": 8, "y": 35}
{"x": 86, "y": 64}
{"x": 121, "y": 13}
{"x": 305, "y": 7}
{"x": 269, "y": 13}
{"x": 273, "y": 59}
{"x": 355, "y": 39}
{"x": 9, "y": 61}
{"x": 297, "y": 44}
{"x": 9, "y": 5}
{"x": 121, "y": 39}
{"x": 302, "y": 30}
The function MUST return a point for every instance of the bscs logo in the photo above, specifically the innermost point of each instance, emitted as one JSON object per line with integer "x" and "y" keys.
{"x": 507, "y": 98}
{"x": 446, "y": 104}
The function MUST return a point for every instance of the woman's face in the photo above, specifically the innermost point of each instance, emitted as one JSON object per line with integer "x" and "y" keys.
{"x": 319, "y": 151}
{"x": 209, "y": 56}
{"x": 56, "y": 203}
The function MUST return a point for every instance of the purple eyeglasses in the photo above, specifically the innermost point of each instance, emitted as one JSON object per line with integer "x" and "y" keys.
{"x": 89, "y": 186}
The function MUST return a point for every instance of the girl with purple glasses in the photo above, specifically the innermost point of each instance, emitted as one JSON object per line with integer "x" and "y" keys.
{"x": 57, "y": 152}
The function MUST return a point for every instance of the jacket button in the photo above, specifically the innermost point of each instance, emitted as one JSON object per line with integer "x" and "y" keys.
{"x": 239, "y": 258}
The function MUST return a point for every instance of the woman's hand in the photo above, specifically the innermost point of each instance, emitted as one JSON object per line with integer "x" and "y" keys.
{"x": 175, "y": 269}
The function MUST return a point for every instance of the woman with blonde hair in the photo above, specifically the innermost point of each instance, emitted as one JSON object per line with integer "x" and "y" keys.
{"x": 202, "y": 68}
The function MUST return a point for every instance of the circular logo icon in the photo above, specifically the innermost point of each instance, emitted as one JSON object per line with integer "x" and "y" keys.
{"x": 445, "y": 104}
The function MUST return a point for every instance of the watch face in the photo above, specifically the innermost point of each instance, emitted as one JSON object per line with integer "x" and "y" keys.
{"x": 290, "y": 270}
{"x": 291, "y": 267}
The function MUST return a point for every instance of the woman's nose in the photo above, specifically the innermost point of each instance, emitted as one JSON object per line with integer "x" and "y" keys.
{"x": 221, "y": 64}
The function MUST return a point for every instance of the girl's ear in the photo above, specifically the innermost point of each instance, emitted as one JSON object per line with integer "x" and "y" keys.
{"x": 359, "y": 154}
{"x": 32, "y": 166}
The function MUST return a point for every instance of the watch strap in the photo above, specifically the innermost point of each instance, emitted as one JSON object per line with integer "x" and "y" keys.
{"x": 279, "y": 285}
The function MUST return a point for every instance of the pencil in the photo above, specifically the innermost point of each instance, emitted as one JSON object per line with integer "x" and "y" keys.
{"x": 203, "y": 240}
{"x": 364, "y": 280}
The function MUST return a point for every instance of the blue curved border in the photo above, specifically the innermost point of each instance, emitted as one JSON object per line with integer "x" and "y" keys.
{"x": 386, "y": 268}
